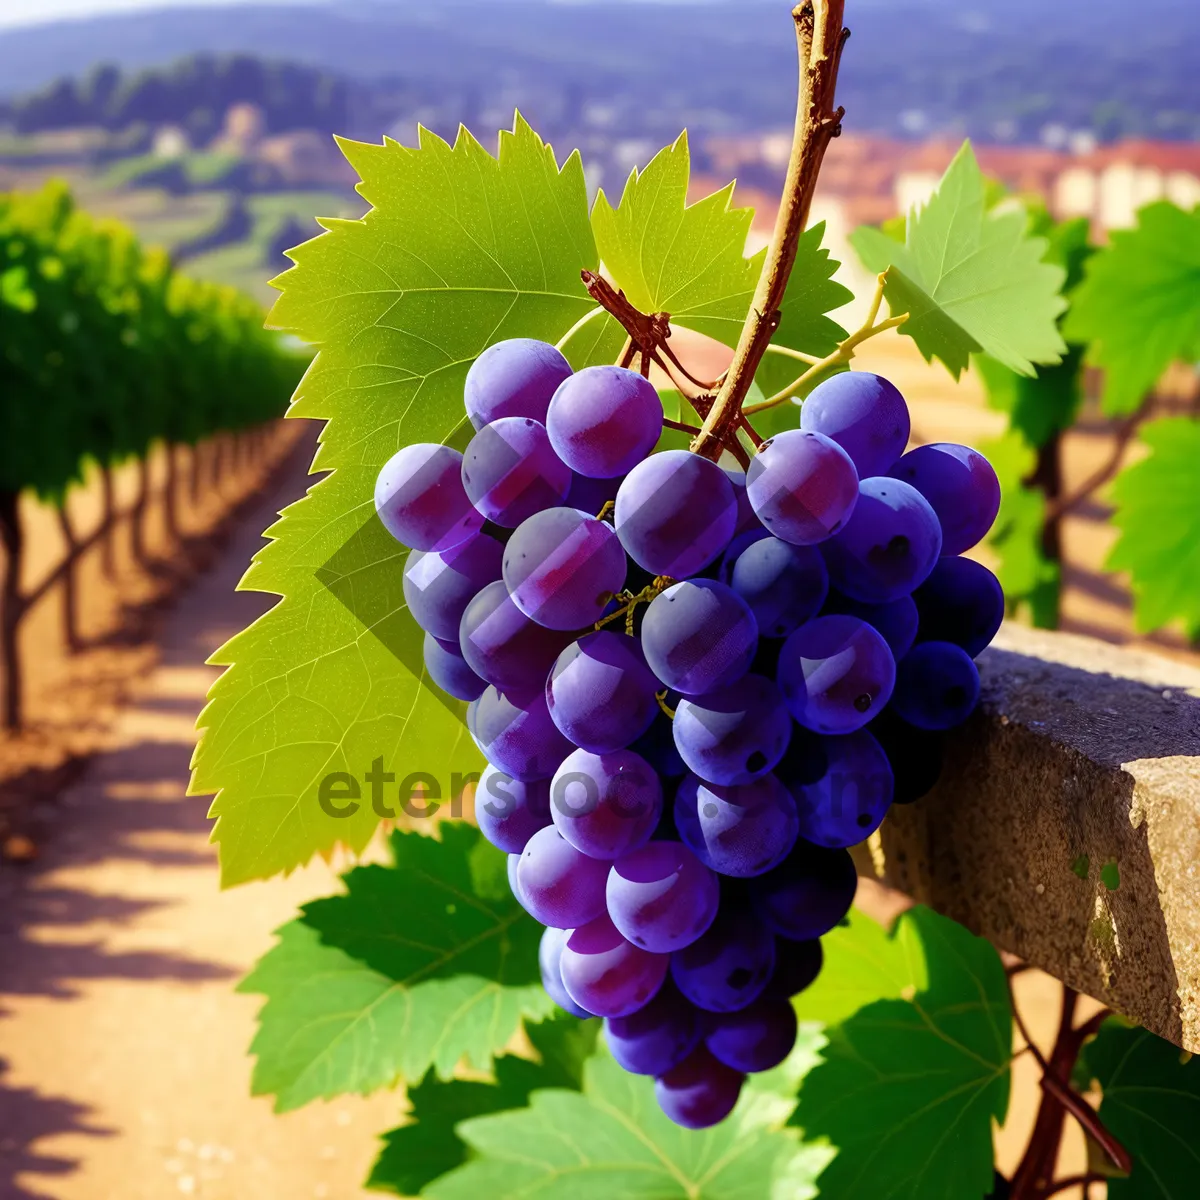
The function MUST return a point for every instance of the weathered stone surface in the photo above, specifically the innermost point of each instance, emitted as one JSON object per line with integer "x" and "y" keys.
{"x": 1066, "y": 826}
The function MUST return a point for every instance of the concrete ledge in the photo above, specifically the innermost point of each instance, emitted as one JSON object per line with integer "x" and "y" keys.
{"x": 1066, "y": 825}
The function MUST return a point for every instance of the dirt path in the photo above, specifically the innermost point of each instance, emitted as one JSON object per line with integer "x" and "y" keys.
{"x": 123, "y": 1049}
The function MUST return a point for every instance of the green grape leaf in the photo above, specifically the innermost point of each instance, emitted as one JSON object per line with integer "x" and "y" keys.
{"x": 611, "y": 1139}
{"x": 427, "y": 1145}
{"x": 970, "y": 279}
{"x": 910, "y": 1082}
{"x": 1151, "y": 1105}
{"x": 1158, "y": 514}
{"x": 420, "y": 965}
{"x": 459, "y": 250}
{"x": 1139, "y": 303}
{"x": 1026, "y": 574}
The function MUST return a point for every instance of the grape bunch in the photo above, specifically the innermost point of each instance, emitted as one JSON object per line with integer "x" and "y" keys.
{"x": 695, "y": 687}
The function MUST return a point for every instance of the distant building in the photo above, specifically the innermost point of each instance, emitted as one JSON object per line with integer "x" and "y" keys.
{"x": 170, "y": 142}
{"x": 306, "y": 157}
{"x": 242, "y": 130}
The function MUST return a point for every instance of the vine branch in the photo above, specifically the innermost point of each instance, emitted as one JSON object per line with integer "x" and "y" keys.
{"x": 820, "y": 36}
{"x": 1125, "y": 432}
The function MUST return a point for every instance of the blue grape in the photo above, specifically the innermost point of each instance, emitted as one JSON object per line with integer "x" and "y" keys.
{"x": 563, "y": 568}
{"x": 802, "y": 485}
{"x": 676, "y": 512}
{"x": 896, "y": 622}
{"x": 735, "y": 734}
{"x": 556, "y": 884}
{"x": 550, "y": 950}
{"x": 605, "y": 974}
{"x": 888, "y": 547}
{"x": 784, "y": 585}
{"x": 656, "y": 1038}
{"x": 937, "y": 686}
{"x": 510, "y": 812}
{"x": 807, "y": 894}
{"x": 420, "y": 499}
{"x": 864, "y": 414}
{"x": 591, "y": 495}
{"x": 450, "y": 671}
{"x": 961, "y": 487}
{"x": 700, "y": 1092}
{"x": 747, "y": 518}
{"x": 961, "y": 602}
{"x": 513, "y": 378}
{"x": 516, "y": 735}
{"x": 915, "y": 755}
{"x": 514, "y": 886}
{"x": 601, "y": 693}
{"x": 438, "y": 587}
{"x": 729, "y": 966}
{"x": 503, "y": 646}
{"x": 797, "y": 965}
{"x": 657, "y": 747}
{"x": 755, "y": 1038}
{"x": 741, "y": 831}
{"x": 606, "y": 804}
{"x": 848, "y": 803}
{"x": 661, "y": 897}
{"x": 604, "y": 420}
{"x": 836, "y": 673}
{"x": 510, "y": 471}
{"x": 699, "y": 635}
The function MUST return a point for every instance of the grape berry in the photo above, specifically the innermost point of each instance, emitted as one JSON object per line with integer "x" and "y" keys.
{"x": 692, "y": 707}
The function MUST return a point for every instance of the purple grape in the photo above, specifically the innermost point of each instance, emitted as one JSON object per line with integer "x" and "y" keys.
{"x": 737, "y": 548}
{"x": 961, "y": 602}
{"x": 747, "y": 518}
{"x": 961, "y": 487}
{"x": 514, "y": 886}
{"x": 550, "y": 950}
{"x": 606, "y": 805}
{"x": 847, "y": 805}
{"x": 836, "y": 673}
{"x": 807, "y": 894}
{"x": 604, "y": 420}
{"x": 699, "y": 635}
{"x": 662, "y": 897}
{"x": 601, "y": 693}
{"x": 514, "y": 378}
{"x": 438, "y": 587}
{"x": 605, "y": 974}
{"x": 888, "y": 547}
{"x": 937, "y": 686}
{"x": 557, "y": 885}
{"x": 896, "y": 622}
{"x": 729, "y": 966}
{"x": 656, "y": 1038}
{"x": 563, "y": 568}
{"x": 676, "y": 512}
{"x": 803, "y": 486}
{"x": 449, "y": 670}
{"x": 657, "y": 747}
{"x": 755, "y": 1038}
{"x": 510, "y": 812}
{"x": 733, "y": 735}
{"x": 915, "y": 755}
{"x": 743, "y": 830}
{"x": 797, "y": 965}
{"x": 784, "y": 585}
{"x": 700, "y": 1092}
{"x": 864, "y": 414}
{"x": 591, "y": 495}
{"x": 420, "y": 499}
{"x": 503, "y": 646}
{"x": 516, "y": 734}
{"x": 510, "y": 471}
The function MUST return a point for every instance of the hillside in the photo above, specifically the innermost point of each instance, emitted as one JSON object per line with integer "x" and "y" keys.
{"x": 990, "y": 69}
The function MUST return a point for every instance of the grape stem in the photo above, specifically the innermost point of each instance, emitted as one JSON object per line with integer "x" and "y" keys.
{"x": 843, "y": 354}
{"x": 820, "y": 37}
{"x": 630, "y": 601}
